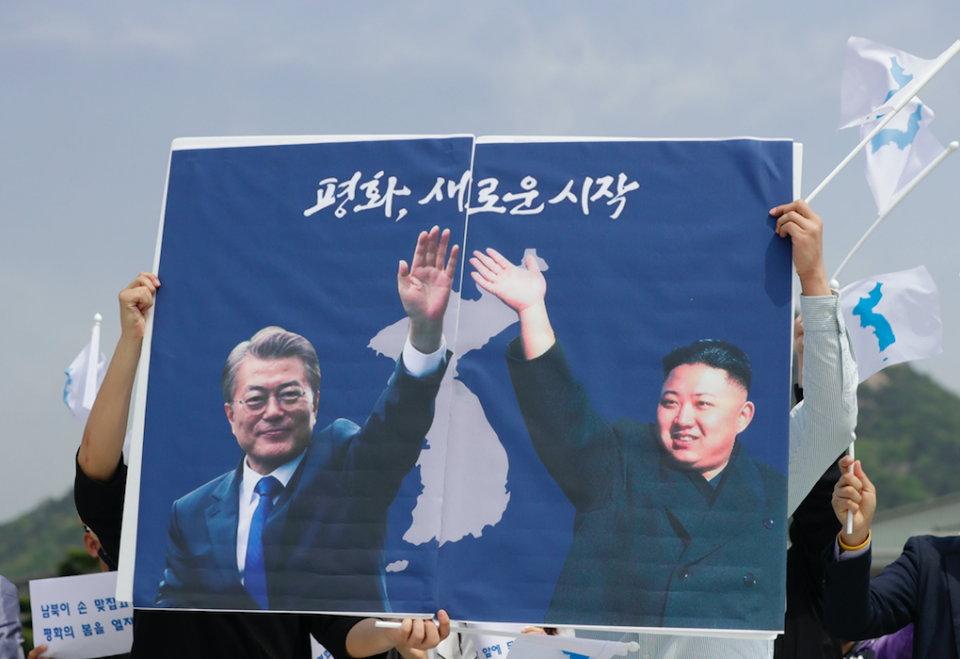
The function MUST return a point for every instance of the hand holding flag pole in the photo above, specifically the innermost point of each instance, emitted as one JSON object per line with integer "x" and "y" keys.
{"x": 902, "y": 98}
{"x": 583, "y": 645}
{"x": 900, "y": 196}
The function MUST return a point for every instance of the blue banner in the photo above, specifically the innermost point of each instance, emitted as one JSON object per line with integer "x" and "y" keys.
{"x": 592, "y": 483}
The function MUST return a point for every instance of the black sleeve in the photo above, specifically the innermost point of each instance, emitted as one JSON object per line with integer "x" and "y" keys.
{"x": 100, "y": 506}
{"x": 331, "y": 632}
{"x": 577, "y": 446}
{"x": 856, "y": 607}
{"x": 813, "y": 530}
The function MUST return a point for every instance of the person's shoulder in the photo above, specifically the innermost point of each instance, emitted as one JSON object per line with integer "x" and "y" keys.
{"x": 627, "y": 427}
{"x": 770, "y": 475}
{"x": 773, "y": 483}
{"x": 329, "y": 448}
{"x": 203, "y": 495}
{"x": 333, "y": 439}
{"x": 340, "y": 429}
{"x": 7, "y": 587}
{"x": 943, "y": 545}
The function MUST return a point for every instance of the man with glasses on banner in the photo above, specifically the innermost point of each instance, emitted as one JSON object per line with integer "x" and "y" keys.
{"x": 300, "y": 524}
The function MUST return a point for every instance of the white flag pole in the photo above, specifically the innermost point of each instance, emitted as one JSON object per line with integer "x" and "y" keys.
{"x": 850, "y": 513}
{"x": 908, "y": 92}
{"x": 632, "y": 646}
{"x": 90, "y": 387}
{"x": 896, "y": 202}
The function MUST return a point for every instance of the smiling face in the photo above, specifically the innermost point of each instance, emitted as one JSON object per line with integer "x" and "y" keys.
{"x": 700, "y": 414}
{"x": 275, "y": 434}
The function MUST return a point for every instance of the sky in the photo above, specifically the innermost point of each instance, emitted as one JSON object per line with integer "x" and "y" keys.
{"x": 92, "y": 94}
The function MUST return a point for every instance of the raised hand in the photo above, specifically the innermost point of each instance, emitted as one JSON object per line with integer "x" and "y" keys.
{"x": 102, "y": 442}
{"x": 425, "y": 287}
{"x": 519, "y": 288}
{"x": 805, "y": 229}
{"x": 135, "y": 300}
{"x": 854, "y": 492}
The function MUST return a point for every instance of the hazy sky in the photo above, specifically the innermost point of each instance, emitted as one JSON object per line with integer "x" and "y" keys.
{"x": 91, "y": 95}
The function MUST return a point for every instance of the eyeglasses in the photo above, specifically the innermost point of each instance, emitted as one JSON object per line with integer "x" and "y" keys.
{"x": 288, "y": 400}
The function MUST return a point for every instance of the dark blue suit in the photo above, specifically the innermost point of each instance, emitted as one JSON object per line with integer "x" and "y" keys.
{"x": 653, "y": 545}
{"x": 922, "y": 586}
{"x": 323, "y": 541}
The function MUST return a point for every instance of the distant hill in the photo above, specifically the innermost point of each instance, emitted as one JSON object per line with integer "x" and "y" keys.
{"x": 909, "y": 441}
{"x": 33, "y": 545}
{"x": 908, "y": 436}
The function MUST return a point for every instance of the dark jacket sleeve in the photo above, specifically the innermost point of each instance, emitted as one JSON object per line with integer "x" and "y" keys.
{"x": 577, "y": 446}
{"x": 856, "y": 607}
{"x": 100, "y": 506}
{"x": 331, "y": 632}
{"x": 388, "y": 444}
{"x": 814, "y": 528}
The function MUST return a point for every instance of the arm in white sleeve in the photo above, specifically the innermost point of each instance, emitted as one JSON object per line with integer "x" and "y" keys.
{"x": 822, "y": 426}
{"x": 419, "y": 364}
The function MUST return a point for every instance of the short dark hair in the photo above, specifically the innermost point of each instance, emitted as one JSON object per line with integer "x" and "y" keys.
{"x": 271, "y": 343}
{"x": 716, "y": 354}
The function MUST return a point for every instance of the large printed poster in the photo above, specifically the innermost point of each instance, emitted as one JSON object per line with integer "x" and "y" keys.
{"x": 601, "y": 439}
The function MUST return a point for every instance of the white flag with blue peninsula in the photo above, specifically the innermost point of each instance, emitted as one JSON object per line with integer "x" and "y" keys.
{"x": 83, "y": 382}
{"x": 900, "y": 151}
{"x": 892, "y": 318}
{"x": 873, "y": 76}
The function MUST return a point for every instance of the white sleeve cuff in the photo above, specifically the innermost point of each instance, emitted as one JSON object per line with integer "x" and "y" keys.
{"x": 420, "y": 365}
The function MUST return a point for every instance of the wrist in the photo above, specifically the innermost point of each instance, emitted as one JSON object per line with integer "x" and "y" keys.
{"x": 854, "y": 542}
{"x": 425, "y": 336}
{"x": 815, "y": 284}
{"x": 534, "y": 311}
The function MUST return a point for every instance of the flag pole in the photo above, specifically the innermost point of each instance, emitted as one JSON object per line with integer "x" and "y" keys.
{"x": 849, "y": 513}
{"x": 625, "y": 647}
{"x": 90, "y": 387}
{"x": 911, "y": 90}
{"x": 896, "y": 202}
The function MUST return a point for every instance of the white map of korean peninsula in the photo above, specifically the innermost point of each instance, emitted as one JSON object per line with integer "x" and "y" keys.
{"x": 464, "y": 466}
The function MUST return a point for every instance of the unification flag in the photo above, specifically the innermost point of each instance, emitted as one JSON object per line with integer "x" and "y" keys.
{"x": 892, "y": 318}
{"x": 479, "y": 640}
{"x": 900, "y": 151}
{"x": 873, "y": 76}
{"x": 83, "y": 382}
{"x": 538, "y": 646}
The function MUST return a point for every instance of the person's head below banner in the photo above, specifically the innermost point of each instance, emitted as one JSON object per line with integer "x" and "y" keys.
{"x": 92, "y": 544}
{"x": 704, "y": 404}
{"x": 271, "y": 390}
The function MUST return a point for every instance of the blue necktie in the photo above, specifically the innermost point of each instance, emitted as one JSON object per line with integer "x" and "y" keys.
{"x": 254, "y": 572}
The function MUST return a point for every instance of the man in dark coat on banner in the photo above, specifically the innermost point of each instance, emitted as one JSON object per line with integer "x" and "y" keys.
{"x": 675, "y": 525}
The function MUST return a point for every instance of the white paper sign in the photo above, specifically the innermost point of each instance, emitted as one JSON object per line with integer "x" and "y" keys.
{"x": 79, "y": 617}
{"x": 489, "y": 646}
